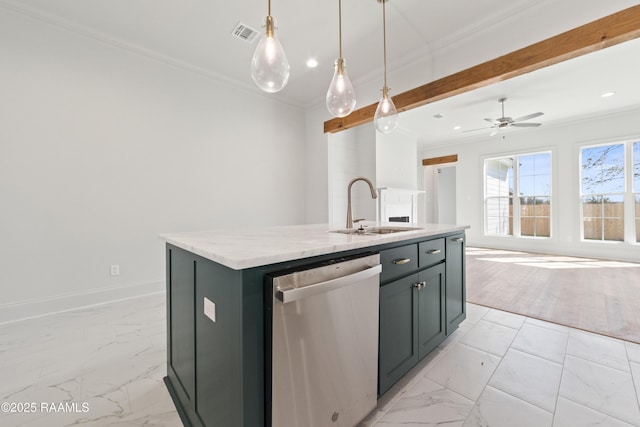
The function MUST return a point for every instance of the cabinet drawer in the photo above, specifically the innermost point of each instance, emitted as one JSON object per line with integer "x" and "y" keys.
{"x": 431, "y": 252}
{"x": 398, "y": 261}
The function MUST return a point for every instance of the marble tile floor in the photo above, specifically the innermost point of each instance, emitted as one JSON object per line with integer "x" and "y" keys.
{"x": 505, "y": 370}
{"x": 111, "y": 358}
{"x": 106, "y": 364}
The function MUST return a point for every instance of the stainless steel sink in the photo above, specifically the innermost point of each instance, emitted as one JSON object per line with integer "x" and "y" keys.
{"x": 368, "y": 231}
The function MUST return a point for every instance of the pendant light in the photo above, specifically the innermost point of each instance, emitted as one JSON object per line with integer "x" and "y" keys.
{"x": 341, "y": 97}
{"x": 386, "y": 116}
{"x": 269, "y": 66}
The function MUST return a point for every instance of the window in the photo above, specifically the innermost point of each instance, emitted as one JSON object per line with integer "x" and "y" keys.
{"x": 535, "y": 195}
{"x": 636, "y": 187}
{"x": 602, "y": 192}
{"x": 528, "y": 214}
{"x": 499, "y": 195}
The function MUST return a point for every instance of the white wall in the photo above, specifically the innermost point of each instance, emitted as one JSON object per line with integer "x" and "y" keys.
{"x": 317, "y": 180}
{"x": 564, "y": 142}
{"x": 396, "y": 153}
{"x": 351, "y": 154}
{"x": 102, "y": 149}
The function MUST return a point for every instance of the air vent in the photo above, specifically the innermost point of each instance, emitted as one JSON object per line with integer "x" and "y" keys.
{"x": 438, "y": 116}
{"x": 244, "y": 32}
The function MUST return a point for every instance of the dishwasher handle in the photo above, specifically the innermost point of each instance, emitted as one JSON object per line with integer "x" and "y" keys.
{"x": 296, "y": 294}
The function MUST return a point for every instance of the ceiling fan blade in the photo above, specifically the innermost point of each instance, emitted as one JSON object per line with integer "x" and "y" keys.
{"x": 490, "y": 121}
{"x": 527, "y": 117}
{"x": 526, "y": 125}
{"x": 474, "y": 130}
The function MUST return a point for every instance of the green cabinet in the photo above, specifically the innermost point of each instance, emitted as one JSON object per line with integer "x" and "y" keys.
{"x": 431, "y": 311}
{"x": 219, "y": 319}
{"x": 215, "y": 344}
{"x": 180, "y": 325}
{"x": 422, "y": 300}
{"x": 456, "y": 310}
{"x": 412, "y": 322}
{"x": 398, "y": 340}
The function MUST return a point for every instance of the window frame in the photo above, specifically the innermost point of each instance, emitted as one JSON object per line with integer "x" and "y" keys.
{"x": 628, "y": 194}
{"x": 515, "y": 197}
{"x": 635, "y": 192}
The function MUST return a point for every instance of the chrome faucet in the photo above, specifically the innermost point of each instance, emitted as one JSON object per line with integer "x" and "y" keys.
{"x": 374, "y": 195}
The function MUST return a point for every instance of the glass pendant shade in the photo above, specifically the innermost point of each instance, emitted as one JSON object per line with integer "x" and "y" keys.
{"x": 341, "y": 97}
{"x": 386, "y": 116}
{"x": 269, "y": 66}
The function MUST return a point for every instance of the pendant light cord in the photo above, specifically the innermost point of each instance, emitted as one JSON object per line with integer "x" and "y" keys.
{"x": 384, "y": 40}
{"x": 269, "y": 11}
{"x": 340, "y": 24}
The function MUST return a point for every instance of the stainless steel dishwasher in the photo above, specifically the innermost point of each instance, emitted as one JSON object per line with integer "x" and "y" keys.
{"x": 324, "y": 333}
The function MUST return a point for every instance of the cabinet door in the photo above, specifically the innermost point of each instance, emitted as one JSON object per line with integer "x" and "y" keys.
{"x": 181, "y": 346}
{"x": 398, "y": 345}
{"x": 218, "y": 338}
{"x": 455, "y": 289}
{"x": 431, "y": 312}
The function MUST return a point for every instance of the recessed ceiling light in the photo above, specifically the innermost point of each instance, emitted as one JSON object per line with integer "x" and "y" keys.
{"x": 438, "y": 116}
{"x": 457, "y": 127}
{"x": 312, "y": 63}
{"x": 608, "y": 94}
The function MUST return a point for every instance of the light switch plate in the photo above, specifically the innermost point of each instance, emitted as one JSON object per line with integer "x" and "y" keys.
{"x": 210, "y": 309}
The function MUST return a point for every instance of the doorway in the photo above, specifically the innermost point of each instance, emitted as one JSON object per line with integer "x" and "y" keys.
{"x": 445, "y": 181}
{"x": 440, "y": 188}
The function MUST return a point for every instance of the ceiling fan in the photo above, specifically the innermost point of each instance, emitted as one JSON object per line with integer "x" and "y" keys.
{"x": 505, "y": 122}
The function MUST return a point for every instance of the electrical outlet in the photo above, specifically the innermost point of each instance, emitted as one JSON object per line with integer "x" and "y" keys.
{"x": 115, "y": 269}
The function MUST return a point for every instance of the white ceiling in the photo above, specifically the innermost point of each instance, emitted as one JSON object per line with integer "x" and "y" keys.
{"x": 567, "y": 91}
{"x": 197, "y": 34}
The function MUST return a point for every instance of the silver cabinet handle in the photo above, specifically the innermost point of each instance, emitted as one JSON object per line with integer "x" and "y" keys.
{"x": 401, "y": 261}
{"x": 458, "y": 239}
{"x": 420, "y": 285}
{"x": 433, "y": 251}
{"x": 318, "y": 288}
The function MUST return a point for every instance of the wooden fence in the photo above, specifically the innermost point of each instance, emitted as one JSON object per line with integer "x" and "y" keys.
{"x": 607, "y": 219}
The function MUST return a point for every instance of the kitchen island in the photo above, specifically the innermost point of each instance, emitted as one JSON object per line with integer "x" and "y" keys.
{"x": 219, "y": 314}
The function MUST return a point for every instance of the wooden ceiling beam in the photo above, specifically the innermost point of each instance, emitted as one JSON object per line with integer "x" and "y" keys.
{"x": 440, "y": 160}
{"x": 602, "y": 33}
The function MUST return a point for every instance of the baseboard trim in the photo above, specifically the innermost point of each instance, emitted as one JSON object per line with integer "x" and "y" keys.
{"x": 24, "y": 310}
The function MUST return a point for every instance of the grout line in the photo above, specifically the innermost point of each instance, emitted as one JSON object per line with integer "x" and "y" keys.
{"x": 500, "y": 364}
{"x": 564, "y": 359}
{"x": 595, "y": 410}
{"x": 598, "y": 364}
{"x": 636, "y": 385}
{"x": 445, "y": 351}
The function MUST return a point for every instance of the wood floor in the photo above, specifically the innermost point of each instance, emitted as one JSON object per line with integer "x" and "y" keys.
{"x": 594, "y": 295}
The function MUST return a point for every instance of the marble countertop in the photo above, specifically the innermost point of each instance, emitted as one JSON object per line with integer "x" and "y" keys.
{"x": 247, "y": 248}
